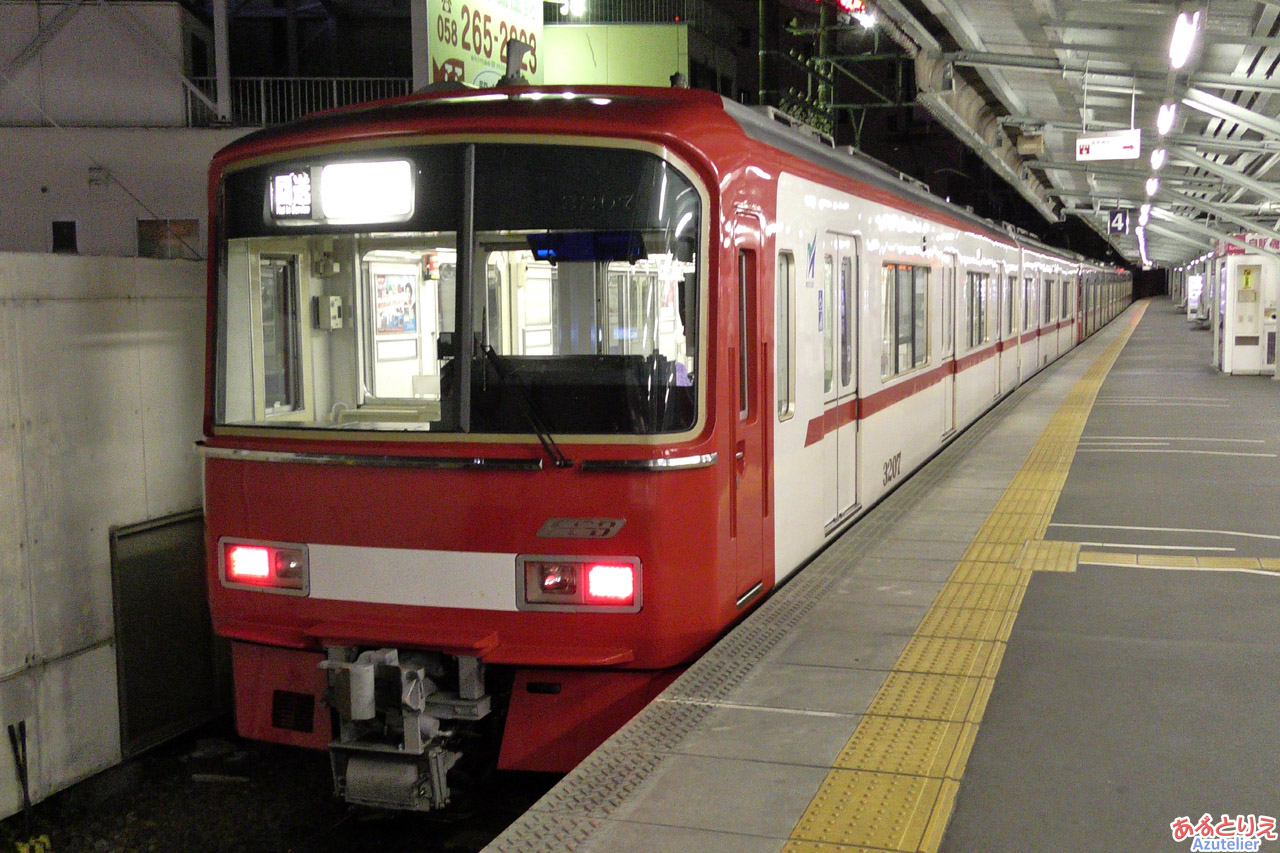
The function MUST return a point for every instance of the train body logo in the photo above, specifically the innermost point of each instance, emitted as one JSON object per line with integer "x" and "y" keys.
{"x": 812, "y": 247}
{"x": 1227, "y": 833}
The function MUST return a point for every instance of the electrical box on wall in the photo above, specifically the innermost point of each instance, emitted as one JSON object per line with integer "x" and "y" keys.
{"x": 328, "y": 312}
{"x": 324, "y": 266}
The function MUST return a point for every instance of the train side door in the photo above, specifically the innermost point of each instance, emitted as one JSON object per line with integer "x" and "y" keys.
{"x": 747, "y": 495}
{"x": 838, "y": 318}
{"x": 949, "y": 347}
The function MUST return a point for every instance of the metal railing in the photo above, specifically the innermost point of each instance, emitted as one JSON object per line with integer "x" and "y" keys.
{"x": 262, "y": 101}
{"x": 697, "y": 13}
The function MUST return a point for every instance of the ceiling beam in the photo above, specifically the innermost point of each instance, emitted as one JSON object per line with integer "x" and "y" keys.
{"x": 1150, "y": 138}
{"x": 1198, "y": 244}
{"x": 1228, "y": 111}
{"x": 1052, "y": 65}
{"x": 1192, "y": 225}
{"x": 1192, "y": 158}
{"x": 1221, "y": 213}
{"x": 1139, "y": 173}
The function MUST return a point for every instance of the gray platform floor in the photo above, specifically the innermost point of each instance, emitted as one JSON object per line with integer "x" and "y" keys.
{"x": 1127, "y": 696}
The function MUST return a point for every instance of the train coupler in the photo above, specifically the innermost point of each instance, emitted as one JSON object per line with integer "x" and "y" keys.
{"x": 403, "y": 717}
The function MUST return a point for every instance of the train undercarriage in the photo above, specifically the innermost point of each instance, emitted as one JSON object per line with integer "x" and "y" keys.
{"x": 409, "y": 723}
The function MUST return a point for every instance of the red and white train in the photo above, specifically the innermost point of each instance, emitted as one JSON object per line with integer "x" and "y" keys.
{"x": 518, "y": 398}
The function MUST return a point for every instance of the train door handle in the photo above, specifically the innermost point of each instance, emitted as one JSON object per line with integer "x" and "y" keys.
{"x": 741, "y": 457}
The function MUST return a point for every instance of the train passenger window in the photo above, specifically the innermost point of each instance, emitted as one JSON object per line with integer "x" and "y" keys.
{"x": 976, "y": 319}
{"x": 1028, "y": 303}
{"x": 1009, "y": 327}
{"x": 586, "y": 307}
{"x": 846, "y": 320}
{"x": 920, "y": 310}
{"x": 905, "y": 290}
{"x": 826, "y": 324}
{"x": 1066, "y": 300}
{"x": 1046, "y": 299}
{"x": 948, "y": 310}
{"x": 746, "y": 327}
{"x": 785, "y": 338}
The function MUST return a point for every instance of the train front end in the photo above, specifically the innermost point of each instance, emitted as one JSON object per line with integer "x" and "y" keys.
{"x": 461, "y": 480}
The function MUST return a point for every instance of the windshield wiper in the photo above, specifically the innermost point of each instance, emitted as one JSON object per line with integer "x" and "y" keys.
{"x": 531, "y": 412}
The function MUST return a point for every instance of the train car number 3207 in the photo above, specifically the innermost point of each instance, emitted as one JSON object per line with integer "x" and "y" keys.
{"x": 892, "y": 468}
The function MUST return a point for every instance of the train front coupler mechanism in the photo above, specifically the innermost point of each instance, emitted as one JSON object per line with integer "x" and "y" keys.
{"x": 402, "y": 719}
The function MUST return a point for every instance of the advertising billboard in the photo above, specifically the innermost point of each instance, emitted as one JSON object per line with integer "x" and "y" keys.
{"x": 467, "y": 41}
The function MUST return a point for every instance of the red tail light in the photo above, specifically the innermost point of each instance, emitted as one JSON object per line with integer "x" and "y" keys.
{"x": 267, "y": 566}
{"x": 580, "y": 584}
{"x": 248, "y": 564}
{"x": 610, "y": 584}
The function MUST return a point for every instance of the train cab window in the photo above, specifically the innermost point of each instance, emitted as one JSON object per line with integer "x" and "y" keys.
{"x": 586, "y": 306}
{"x": 281, "y": 356}
{"x": 976, "y": 320}
{"x": 905, "y": 291}
{"x": 785, "y": 336}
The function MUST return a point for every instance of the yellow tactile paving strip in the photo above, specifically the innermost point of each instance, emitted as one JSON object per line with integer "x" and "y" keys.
{"x": 894, "y": 784}
{"x": 1172, "y": 561}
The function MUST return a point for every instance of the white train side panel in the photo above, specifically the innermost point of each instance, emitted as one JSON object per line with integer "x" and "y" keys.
{"x": 873, "y": 393}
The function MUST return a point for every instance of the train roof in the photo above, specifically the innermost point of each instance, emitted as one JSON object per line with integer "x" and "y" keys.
{"x": 689, "y": 113}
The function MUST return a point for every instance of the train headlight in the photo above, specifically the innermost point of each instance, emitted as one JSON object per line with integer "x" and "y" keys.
{"x": 558, "y": 578}
{"x": 578, "y": 584}
{"x": 264, "y": 566}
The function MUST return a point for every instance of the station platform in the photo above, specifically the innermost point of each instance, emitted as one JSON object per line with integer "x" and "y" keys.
{"x": 1059, "y": 634}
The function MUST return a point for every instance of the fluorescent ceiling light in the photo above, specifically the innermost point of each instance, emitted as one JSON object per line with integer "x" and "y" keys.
{"x": 1184, "y": 38}
{"x": 1158, "y": 158}
{"x": 1153, "y": 185}
{"x": 1164, "y": 119}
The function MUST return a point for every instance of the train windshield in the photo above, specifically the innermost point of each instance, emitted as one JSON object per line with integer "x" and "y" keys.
{"x": 348, "y": 299}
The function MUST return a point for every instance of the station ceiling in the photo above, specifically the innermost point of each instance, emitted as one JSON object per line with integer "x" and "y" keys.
{"x": 1051, "y": 71}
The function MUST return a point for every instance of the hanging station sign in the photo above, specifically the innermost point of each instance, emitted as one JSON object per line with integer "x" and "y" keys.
{"x": 1115, "y": 145}
{"x": 467, "y": 39}
{"x": 1117, "y": 222}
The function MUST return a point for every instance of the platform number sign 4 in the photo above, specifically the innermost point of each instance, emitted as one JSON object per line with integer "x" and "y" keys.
{"x": 1117, "y": 222}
